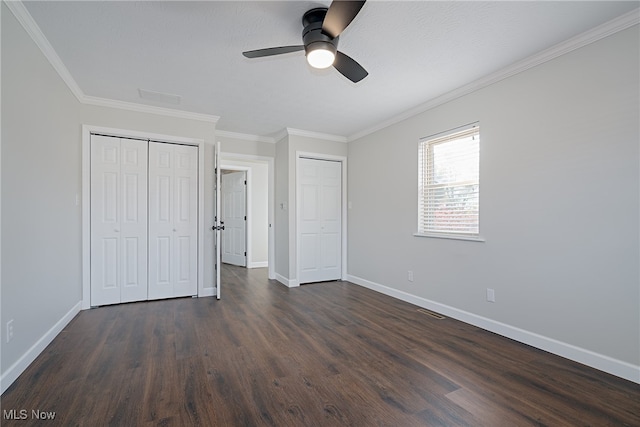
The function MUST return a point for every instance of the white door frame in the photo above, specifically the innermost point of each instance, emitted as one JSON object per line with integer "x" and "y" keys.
{"x": 87, "y": 130}
{"x": 216, "y": 219}
{"x": 247, "y": 206}
{"x": 230, "y": 156}
{"x": 329, "y": 157}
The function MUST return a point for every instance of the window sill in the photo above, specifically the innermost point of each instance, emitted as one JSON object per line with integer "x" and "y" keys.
{"x": 451, "y": 237}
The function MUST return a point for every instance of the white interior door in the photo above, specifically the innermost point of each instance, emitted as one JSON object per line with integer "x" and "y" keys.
{"x": 173, "y": 220}
{"x": 234, "y": 217}
{"x": 319, "y": 220}
{"x": 118, "y": 220}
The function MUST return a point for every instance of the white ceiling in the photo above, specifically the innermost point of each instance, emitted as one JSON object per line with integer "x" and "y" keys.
{"x": 414, "y": 51}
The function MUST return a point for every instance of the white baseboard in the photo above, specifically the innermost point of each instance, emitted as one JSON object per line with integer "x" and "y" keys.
{"x": 291, "y": 283}
{"x": 595, "y": 360}
{"x": 258, "y": 264}
{"x": 23, "y": 362}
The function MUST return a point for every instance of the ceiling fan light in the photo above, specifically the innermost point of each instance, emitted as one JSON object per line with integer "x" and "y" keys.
{"x": 320, "y": 58}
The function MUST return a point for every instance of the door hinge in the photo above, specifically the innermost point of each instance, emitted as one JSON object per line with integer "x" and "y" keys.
{"x": 245, "y": 217}
{"x": 245, "y": 182}
{"x": 245, "y": 254}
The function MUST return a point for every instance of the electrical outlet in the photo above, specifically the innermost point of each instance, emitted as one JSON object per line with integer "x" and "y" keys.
{"x": 9, "y": 330}
{"x": 410, "y": 275}
{"x": 491, "y": 295}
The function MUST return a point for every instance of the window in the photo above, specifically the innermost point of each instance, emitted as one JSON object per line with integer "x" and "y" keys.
{"x": 448, "y": 184}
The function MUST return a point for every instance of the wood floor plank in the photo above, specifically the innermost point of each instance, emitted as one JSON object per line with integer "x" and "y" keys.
{"x": 326, "y": 354}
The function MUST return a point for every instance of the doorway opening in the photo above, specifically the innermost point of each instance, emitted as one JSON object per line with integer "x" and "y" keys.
{"x": 246, "y": 191}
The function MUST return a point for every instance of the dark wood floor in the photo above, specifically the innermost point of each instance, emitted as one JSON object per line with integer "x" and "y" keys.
{"x": 325, "y": 354}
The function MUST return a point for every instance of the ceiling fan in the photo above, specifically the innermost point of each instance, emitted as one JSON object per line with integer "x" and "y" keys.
{"x": 322, "y": 28}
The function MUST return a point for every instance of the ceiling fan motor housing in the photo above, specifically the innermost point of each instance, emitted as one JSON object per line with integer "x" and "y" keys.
{"x": 312, "y": 35}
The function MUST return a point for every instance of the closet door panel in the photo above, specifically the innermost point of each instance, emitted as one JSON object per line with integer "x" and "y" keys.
{"x": 185, "y": 205}
{"x": 144, "y": 213}
{"x": 173, "y": 201}
{"x": 160, "y": 220}
{"x": 105, "y": 220}
{"x": 133, "y": 222}
{"x": 118, "y": 220}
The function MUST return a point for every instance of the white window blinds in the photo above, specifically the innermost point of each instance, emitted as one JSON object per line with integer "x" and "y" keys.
{"x": 449, "y": 187}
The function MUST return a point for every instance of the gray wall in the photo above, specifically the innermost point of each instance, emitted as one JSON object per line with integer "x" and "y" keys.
{"x": 282, "y": 210}
{"x": 41, "y": 234}
{"x": 241, "y": 146}
{"x": 559, "y": 179}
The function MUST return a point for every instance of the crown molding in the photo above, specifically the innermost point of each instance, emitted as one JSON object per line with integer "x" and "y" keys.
{"x": 142, "y": 108}
{"x": 309, "y": 134}
{"x": 316, "y": 135}
{"x": 620, "y": 23}
{"x": 26, "y": 20}
{"x": 245, "y": 136}
{"x": 280, "y": 135}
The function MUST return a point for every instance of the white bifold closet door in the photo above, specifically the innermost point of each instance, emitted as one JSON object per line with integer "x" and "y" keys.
{"x": 173, "y": 220}
{"x": 118, "y": 220}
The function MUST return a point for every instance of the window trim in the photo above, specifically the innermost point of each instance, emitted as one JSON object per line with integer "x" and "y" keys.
{"x": 428, "y": 141}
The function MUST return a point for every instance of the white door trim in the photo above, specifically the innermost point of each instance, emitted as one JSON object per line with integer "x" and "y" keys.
{"x": 229, "y": 156}
{"x": 216, "y": 219}
{"x": 330, "y": 157}
{"x": 87, "y": 130}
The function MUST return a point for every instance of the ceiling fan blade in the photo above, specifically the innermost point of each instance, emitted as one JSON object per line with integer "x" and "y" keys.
{"x": 349, "y": 68}
{"x": 339, "y": 16}
{"x": 272, "y": 51}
